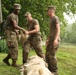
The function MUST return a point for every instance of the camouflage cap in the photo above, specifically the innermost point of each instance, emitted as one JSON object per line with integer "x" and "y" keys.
{"x": 17, "y": 6}
{"x": 51, "y": 7}
{"x": 27, "y": 14}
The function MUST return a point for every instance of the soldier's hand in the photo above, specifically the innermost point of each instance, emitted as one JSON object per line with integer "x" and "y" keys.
{"x": 17, "y": 32}
{"x": 24, "y": 32}
{"x": 55, "y": 42}
{"x": 27, "y": 32}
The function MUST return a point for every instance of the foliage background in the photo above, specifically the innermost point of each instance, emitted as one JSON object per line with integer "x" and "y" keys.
{"x": 38, "y": 11}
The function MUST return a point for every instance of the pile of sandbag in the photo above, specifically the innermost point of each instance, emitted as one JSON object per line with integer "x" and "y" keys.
{"x": 35, "y": 66}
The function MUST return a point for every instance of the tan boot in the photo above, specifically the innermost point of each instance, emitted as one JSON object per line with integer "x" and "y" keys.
{"x": 6, "y": 60}
{"x": 14, "y": 64}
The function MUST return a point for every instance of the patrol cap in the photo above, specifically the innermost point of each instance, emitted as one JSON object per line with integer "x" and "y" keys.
{"x": 51, "y": 7}
{"x": 17, "y": 6}
{"x": 27, "y": 14}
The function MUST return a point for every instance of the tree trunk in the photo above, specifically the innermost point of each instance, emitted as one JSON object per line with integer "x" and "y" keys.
{"x": 0, "y": 13}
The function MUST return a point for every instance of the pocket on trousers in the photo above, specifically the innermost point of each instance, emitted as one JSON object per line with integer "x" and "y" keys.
{"x": 11, "y": 44}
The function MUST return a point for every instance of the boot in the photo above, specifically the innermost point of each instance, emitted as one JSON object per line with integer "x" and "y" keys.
{"x": 14, "y": 64}
{"x": 6, "y": 60}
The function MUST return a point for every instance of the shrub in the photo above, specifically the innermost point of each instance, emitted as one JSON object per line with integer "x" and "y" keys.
{"x": 3, "y": 46}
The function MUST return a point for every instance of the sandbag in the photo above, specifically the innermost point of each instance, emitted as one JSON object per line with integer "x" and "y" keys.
{"x": 35, "y": 66}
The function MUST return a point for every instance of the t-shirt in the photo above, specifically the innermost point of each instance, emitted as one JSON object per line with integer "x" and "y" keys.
{"x": 53, "y": 30}
{"x": 31, "y": 25}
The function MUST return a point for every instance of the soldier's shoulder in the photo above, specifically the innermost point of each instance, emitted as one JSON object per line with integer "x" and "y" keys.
{"x": 56, "y": 17}
{"x": 35, "y": 20}
{"x": 12, "y": 15}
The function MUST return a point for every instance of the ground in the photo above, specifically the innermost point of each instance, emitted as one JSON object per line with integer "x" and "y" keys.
{"x": 66, "y": 61}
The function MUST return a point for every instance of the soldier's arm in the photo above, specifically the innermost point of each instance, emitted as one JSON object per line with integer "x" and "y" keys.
{"x": 58, "y": 31}
{"x": 16, "y": 26}
{"x": 57, "y": 34}
{"x": 36, "y": 29}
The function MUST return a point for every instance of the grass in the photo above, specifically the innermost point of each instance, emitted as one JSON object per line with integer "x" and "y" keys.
{"x": 66, "y": 61}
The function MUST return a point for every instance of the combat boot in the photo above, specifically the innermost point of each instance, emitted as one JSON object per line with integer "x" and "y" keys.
{"x": 14, "y": 64}
{"x": 6, "y": 60}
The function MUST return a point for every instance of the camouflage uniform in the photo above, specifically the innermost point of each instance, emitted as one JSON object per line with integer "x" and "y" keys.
{"x": 11, "y": 37}
{"x": 51, "y": 49}
{"x": 34, "y": 41}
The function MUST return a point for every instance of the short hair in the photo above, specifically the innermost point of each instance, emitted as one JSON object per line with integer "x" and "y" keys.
{"x": 27, "y": 14}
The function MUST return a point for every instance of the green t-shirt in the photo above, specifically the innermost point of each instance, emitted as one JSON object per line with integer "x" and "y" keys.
{"x": 31, "y": 25}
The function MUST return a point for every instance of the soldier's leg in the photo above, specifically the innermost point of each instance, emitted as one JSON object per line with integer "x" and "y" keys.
{"x": 7, "y": 36}
{"x": 14, "y": 56}
{"x": 13, "y": 51}
{"x": 13, "y": 46}
{"x": 51, "y": 58}
{"x": 26, "y": 50}
{"x": 6, "y": 59}
{"x": 36, "y": 43}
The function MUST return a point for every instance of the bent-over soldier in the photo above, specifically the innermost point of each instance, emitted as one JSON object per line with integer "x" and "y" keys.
{"x": 34, "y": 39}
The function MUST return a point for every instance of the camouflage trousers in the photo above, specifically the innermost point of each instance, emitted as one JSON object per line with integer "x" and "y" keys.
{"x": 12, "y": 43}
{"x": 50, "y": 56}
{"x": 34, "y": 42}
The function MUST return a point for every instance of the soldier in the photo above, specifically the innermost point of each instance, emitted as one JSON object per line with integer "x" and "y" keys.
{"x": 34, "y": 39}
{"x": 53, "y": 40}
{"x": 11, "y": 31}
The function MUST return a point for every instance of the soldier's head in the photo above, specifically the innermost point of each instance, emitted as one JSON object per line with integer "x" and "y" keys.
{"x": 51, "y": 10}
{"x": 16, "y": 8}
{"x": 28, "y": 16}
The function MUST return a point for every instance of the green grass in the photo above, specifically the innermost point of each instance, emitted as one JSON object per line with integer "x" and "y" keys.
{"x": 66, "y": 61}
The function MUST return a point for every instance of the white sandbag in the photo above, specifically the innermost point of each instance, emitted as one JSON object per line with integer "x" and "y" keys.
{"x": 35, "y": 66}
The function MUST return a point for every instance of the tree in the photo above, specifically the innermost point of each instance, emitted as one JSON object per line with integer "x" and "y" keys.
{"x": 71, "y": 34}
{"x": 38, "y": 10}
{"x": 1, "y": 20}
{"x": 0, "y": 12}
